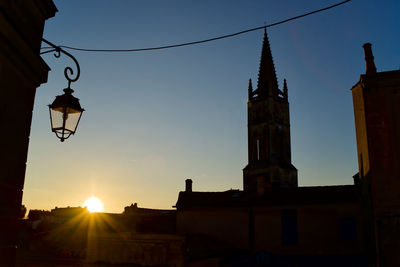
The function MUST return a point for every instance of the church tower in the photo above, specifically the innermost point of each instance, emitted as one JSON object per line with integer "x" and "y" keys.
{"x": 269, "y": 156}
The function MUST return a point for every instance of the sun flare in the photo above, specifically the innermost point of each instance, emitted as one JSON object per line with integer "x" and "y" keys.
{"x": 93, "y": 204}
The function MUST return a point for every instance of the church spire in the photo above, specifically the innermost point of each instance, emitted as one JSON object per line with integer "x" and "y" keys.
{"x": 268, "y": 127}
{"x": 285, "y": 90}
{"x": 250, "y": 90}
{"x": 267, "y": 83}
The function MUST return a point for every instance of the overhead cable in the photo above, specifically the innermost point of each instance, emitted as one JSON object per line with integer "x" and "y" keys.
{"x": 202, "y": 41}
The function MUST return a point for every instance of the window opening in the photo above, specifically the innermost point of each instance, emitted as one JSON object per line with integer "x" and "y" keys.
{"x": 289, "y": 227}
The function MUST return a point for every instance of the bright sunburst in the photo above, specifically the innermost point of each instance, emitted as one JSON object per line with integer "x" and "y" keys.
{"x": 93, "y": 204}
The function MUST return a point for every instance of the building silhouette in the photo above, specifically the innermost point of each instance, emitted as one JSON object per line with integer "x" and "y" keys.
{"x": 22, "y": 71}
{"x": 273, "y": 222}
{"x": 269, "y": 153}
{"x": 313, "y": 225}
{"x": 376, "y": 101}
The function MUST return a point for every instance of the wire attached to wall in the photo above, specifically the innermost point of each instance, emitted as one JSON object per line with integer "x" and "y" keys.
{"x": 201, "y": 41}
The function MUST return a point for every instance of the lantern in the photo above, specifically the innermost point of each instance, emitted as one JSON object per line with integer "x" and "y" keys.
{"x": 65, "y": 113}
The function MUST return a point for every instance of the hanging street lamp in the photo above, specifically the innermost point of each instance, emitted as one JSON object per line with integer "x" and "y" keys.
{"x": 65, "y": 114}
{"x": 65, "y": 111}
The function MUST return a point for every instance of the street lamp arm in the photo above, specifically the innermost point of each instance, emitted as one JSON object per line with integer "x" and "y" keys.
{"x": 65, "y": 111}
{"x": 68, "y": 71}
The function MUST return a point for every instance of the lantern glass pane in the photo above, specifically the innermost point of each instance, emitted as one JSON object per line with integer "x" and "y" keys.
{"x": 56, "y": 118}
{"x": 72, "y": 121}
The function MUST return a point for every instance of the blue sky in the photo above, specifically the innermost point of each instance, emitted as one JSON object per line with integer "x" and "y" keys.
{"x": 155, "y": 118}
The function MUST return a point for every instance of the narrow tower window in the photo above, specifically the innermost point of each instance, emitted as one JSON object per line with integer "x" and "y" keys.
{"x": 258, "y": 149}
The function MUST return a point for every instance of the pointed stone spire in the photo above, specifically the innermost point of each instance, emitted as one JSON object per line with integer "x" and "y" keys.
{"x": 285, "y": 90}
{"x": 267, "y": 83}
{"x": 250, "y": 90}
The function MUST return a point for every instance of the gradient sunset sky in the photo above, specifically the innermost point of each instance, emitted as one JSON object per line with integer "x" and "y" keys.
{"x": 156, "y": 118}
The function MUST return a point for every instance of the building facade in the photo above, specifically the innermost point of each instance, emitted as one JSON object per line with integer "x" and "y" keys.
{"x": 376, "y": 101}
{"x": 272, "y": 220}
{"x": 22, "y": 70}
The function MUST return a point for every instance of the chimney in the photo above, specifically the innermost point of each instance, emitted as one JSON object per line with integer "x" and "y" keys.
{"x": 188, "y": 185}
{"x": 369, "y": 59}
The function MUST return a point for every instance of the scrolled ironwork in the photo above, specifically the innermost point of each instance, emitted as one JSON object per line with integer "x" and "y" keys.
{"x": 68, "y": 71}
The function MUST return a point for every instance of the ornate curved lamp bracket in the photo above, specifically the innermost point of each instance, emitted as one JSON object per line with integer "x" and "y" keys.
{"x": 65, "y": 111}
{"x": 68, "y": 71}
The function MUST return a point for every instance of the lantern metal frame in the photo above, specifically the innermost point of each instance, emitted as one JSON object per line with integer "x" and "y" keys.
{"x": 67, "y": 104}
{"x": 66, "y": 99}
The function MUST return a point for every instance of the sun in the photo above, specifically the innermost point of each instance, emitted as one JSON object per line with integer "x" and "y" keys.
{"x": 93, "y": 204}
